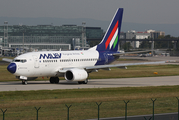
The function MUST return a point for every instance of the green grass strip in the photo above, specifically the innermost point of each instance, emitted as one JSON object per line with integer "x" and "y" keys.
{"x": 20, "y": 104}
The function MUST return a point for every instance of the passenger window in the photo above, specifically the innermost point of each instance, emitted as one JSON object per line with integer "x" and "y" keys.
{"x": 17, "y": 60}
{"x": 24, "y": 61}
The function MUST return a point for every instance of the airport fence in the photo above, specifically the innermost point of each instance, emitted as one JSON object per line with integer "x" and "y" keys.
{"x": 92, "y": 110}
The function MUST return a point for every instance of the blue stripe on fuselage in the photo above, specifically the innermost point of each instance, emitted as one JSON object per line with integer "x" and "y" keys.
{"x": 106, "y": 57}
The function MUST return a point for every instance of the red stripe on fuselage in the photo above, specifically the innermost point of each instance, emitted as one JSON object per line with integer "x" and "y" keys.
{"x": 111, "y": 35}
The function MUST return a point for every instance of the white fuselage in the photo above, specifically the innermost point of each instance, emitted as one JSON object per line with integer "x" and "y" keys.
{"x": 36, "y": 64}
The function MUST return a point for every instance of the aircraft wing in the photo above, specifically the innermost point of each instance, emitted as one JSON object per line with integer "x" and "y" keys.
{"x": 7, "y": 60}
{"x": 124, "y": 53}
{"x": 63, "y": 70}
{"x": 106, "y": 67}
{"x": 121, "y": 65}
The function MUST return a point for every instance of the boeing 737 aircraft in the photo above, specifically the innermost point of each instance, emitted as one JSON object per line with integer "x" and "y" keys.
{"x": 73, "y": 65}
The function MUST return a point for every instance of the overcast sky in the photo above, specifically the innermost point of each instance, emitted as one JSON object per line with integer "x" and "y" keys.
{"x": 136, "y": 11}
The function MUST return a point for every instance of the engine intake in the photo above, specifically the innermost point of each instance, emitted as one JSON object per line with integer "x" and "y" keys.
{"x": 76, "y": 74}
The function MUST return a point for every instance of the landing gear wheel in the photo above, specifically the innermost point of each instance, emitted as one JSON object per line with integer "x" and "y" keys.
{"x": 80, "y": 82}
{"x": 24, "y": 82}
{"x": 85, "y": 82}
{"x": 54, "y": 80}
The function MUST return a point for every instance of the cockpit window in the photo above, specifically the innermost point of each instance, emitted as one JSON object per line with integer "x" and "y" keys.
{"x": 20, "y": 60}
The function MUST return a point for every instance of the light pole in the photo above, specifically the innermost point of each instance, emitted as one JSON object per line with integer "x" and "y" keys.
{"x": 83, "y": 34}
{"x": 23, "y": 40}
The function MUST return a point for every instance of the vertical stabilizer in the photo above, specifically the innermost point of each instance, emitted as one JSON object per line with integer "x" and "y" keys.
{"x": 110, "y": 41}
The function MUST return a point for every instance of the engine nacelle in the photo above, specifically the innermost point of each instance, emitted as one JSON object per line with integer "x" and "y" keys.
{"x": 76, "y": 74}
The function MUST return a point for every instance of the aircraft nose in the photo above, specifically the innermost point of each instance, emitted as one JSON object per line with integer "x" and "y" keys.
{"x": 12, "y": 68}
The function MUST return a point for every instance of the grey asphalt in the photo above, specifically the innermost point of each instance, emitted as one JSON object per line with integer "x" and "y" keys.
{"x": 93, "y": 83}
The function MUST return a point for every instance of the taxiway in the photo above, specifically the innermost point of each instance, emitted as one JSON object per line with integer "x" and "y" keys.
{"x": 93, "y": 83}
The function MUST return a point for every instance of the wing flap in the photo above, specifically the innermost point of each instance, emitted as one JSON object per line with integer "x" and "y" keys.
{"x": 107, "y": 67}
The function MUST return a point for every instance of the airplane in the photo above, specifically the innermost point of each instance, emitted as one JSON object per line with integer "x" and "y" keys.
{"x": 73, "y": 65}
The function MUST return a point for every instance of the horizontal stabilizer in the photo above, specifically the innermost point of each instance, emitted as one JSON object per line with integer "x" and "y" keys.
{"x": 125, "y": 53}
{"x": 7, "y": 60}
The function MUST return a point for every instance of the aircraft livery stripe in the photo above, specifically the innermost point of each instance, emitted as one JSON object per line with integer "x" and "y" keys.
{"x": 111, "y": 35}
{"x": 114, "y": 38}
{"x": 115, "y": 42}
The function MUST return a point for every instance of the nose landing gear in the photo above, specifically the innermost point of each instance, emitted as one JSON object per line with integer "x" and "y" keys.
{"x": 24, "y": 82}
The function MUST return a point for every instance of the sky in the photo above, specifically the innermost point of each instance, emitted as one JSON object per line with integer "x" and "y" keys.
{"x": 135, "y": 11}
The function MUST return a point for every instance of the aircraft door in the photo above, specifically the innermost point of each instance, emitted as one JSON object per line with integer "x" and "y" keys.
{"x": 70, "y": 61}
{"x": 36, "y": 62}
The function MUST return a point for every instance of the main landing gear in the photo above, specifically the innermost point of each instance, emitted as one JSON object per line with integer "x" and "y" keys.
{"x": 54, "y": 80}
{"x": 83, "y": 82}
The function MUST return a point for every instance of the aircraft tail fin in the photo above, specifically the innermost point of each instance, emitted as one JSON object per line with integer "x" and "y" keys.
{"x": 110, "y": 41}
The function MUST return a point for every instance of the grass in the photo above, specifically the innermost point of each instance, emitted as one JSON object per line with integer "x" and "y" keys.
{"x": 138, "y": 71}
{"x": 20, "y": 104}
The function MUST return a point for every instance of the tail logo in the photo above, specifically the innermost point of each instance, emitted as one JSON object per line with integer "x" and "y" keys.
{"x": 110, "y": 40}
{"x": 113, "y": 37}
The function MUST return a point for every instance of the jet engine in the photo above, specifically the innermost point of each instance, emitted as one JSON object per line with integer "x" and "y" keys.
{"x": 76, "y": 74}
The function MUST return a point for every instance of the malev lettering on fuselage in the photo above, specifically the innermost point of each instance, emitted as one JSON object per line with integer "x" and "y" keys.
{"x": 50, "y": 56}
